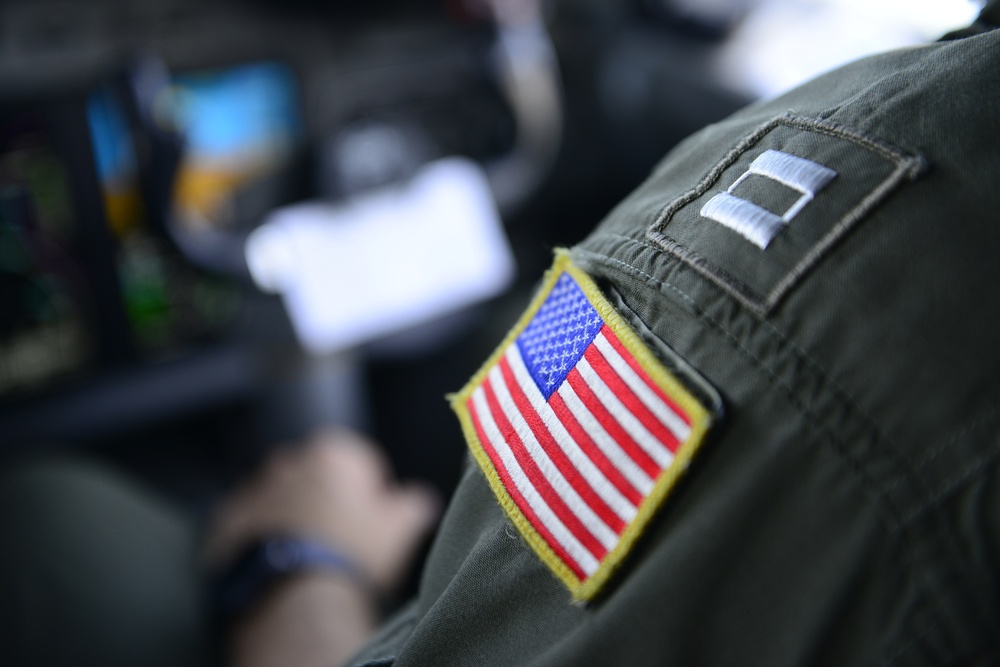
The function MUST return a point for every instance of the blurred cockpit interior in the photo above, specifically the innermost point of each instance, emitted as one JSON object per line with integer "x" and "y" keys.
{"x": 226, "y": 223}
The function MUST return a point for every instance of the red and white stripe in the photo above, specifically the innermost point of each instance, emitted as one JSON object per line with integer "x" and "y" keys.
{"x": 579, "y": 465}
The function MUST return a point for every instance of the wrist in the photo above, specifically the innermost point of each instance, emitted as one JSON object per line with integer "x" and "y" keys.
{"x": 304, "y": 588}
{"x": 308, "y": 618}
{"x": 273, "y": 562}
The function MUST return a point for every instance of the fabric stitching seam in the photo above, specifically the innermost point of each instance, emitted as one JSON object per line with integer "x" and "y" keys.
{"x": 955, "y": 435}
{"x": 966, "y": 474}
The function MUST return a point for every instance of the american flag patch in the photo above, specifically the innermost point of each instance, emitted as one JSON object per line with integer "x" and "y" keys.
{"x": 579, "y": 428}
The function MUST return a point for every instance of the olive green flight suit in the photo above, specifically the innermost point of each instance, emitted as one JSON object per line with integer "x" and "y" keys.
{"x": 845, "y": 506}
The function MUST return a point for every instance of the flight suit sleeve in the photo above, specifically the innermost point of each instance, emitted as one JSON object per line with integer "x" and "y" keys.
{"x": 810, "y": 287}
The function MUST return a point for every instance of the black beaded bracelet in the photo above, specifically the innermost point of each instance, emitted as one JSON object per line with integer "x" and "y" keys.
{"x": 266, "y": 562}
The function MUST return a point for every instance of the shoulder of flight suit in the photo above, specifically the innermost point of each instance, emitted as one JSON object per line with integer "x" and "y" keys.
{"x": 827, "y": 262}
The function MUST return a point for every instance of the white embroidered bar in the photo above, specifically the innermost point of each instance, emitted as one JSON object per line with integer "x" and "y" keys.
{"x": 755, "y": 223}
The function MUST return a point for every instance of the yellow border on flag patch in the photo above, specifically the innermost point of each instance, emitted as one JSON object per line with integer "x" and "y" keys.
{"x": 700, "y": 420}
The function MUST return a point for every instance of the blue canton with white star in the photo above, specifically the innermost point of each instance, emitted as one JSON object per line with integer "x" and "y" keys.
{"x": 558, "y": 335}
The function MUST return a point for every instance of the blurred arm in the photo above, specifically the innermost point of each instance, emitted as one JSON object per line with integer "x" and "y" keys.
{"x": 337, "y": 490}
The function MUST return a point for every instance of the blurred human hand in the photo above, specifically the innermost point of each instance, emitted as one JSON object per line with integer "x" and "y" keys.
{"x": 337, "y": 489}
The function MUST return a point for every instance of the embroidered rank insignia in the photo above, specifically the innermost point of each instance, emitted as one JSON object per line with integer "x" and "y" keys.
{"x": 777, "y": 203}
{"x": 580, "y": 430}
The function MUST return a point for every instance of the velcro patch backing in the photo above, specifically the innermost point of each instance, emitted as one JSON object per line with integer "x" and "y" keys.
{"x": 776, "y": 204}
{"x": 580, "y": 430}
